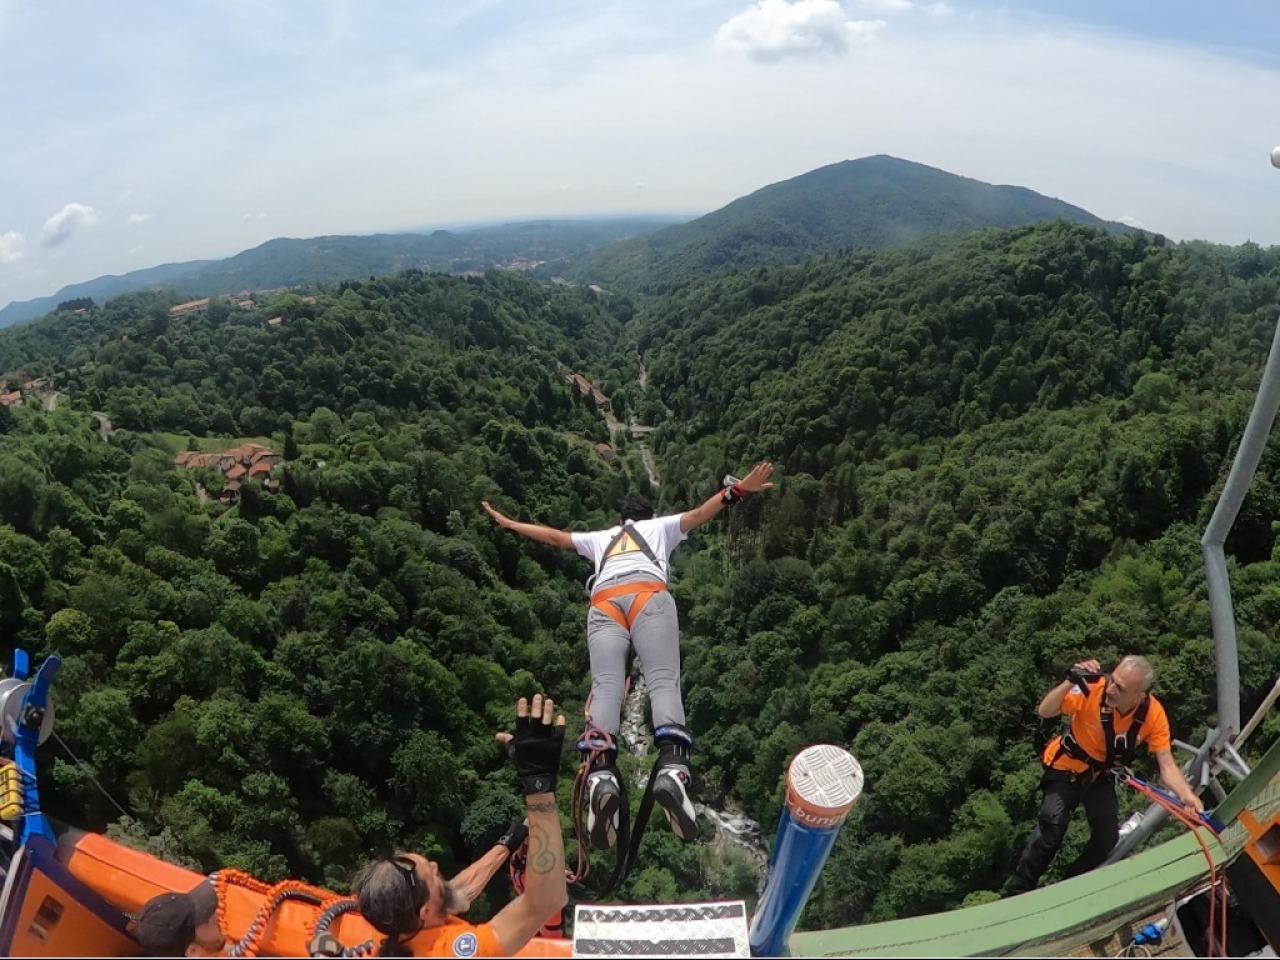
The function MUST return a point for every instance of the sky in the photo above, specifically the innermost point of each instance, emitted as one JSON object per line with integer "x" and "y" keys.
{"x": 138, "y": 133}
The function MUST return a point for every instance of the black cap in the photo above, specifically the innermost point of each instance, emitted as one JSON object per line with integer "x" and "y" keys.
{"x": 167, "y": 923}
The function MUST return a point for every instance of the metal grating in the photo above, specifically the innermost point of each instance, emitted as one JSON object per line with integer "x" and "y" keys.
{"x": 660, "y": 930}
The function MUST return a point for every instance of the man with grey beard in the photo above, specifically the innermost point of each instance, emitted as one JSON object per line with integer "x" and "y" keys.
{"x": 404, "y": 897}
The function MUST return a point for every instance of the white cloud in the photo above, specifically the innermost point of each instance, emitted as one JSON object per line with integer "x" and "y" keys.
{"x": 887, "y": 6}
{"x": 1131, "y": 222}
{"x": 772, "y": 30}
{"x": 59, "y": 228}
{"x": 1095, "y": 117}
{"x": 136, "y": 218}
{"x": 12, "y": 245}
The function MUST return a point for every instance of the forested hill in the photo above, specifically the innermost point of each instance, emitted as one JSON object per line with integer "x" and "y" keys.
{"x": 874, "y": 202}
{"x": 314, "y": 261}
{"x": 287, "y": 683}
{"x": 1000, "y": 451}
{"x": 996, "y": 454}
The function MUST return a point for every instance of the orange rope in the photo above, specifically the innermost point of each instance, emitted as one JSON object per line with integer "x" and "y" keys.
{"x": 274, "y": 896}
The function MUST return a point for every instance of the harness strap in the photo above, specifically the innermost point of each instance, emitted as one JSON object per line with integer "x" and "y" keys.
{"x": 1120, "y": 748}
{"x": 642, "y": 590}
{"x": 628, "y": 530}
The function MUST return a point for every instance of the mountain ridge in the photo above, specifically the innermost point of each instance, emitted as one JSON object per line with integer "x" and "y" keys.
{"x": 302, "y": 261}
{"x": 877, "y": 202}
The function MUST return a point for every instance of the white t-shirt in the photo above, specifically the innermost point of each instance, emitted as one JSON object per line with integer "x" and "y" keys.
{"x": 662, "y": 534}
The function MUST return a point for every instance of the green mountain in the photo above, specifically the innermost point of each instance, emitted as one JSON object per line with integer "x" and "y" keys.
{"x": 874, "y": 202}
{"x": 311, "y": 262}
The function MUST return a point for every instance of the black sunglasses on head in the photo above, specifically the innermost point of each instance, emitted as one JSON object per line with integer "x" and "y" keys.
{"x": 409, "y": 870}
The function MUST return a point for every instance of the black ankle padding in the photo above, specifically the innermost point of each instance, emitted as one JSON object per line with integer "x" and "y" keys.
{"x": 674, "y": 742}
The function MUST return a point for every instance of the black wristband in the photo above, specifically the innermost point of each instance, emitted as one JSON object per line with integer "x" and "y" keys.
{"x": 514, "y": 837}
{"x": 538, "y": 783}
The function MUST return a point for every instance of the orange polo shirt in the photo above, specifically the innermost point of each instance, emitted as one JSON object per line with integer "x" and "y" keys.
{"x": 457, "y": 938}
{"x": 1085, "y": 711}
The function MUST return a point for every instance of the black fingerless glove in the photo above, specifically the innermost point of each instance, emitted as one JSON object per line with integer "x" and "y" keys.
{"x": 515, "y": 835}
{"x": 536, "y": 750}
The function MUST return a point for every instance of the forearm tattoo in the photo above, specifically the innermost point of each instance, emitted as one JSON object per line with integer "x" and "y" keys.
{"x": 541, "y": 859}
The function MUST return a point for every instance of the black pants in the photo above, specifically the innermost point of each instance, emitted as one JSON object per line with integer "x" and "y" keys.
{"x": 1063, "y": 792}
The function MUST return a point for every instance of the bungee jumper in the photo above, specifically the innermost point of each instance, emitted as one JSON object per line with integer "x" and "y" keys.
{"x": 1111, "y": 714}
{"x": 632, "y": 608}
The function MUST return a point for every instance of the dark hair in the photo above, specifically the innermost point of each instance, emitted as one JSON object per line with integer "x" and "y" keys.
{"x": 391, "y": 896}
{"x": 637, "y": 507}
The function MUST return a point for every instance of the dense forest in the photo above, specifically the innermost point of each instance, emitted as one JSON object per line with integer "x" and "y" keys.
{"x": 997, "y": 452}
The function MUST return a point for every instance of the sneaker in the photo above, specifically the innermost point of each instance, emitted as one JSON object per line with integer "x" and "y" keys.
{"x": 671, "y": 793}
{"x": 604, "y": 798}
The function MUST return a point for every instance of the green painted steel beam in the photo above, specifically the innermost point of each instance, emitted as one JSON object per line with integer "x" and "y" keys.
{"x": 1061, "y": 917}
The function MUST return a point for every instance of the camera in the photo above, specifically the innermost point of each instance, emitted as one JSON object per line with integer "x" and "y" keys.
{"x": 1082, "y": 678}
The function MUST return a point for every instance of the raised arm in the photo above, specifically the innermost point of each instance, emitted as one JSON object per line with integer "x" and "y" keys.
{"x": 1051, "y": 705}
{"x": 469, "y": 882}
{"x": 534, "y": 531}
{"x": 753, "y": 482}
{"x": 536, "y": 750}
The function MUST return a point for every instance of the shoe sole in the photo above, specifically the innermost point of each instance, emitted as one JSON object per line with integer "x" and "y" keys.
{"x": 604, "y": 832}
{"x": 670, "y": 799}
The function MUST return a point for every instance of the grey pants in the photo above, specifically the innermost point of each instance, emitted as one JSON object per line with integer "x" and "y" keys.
{"x": 655, "y": 633}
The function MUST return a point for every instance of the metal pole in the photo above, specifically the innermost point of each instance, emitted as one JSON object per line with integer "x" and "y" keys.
{"x": 1258, "y": 714}
{"x": 1221, "y": 613}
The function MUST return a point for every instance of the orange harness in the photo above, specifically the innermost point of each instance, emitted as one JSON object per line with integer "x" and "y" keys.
{"x": 642, "y": 590}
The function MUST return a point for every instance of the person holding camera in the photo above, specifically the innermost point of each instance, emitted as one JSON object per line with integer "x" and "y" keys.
{"x": 1111, "y": 714}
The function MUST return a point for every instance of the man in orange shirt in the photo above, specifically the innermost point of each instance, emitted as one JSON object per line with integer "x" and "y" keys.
{"x": 1110, "y": 715}
{"x": 405, "y": 897}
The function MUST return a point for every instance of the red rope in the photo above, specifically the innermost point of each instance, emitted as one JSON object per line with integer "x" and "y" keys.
{"x": 1217, "y": 926}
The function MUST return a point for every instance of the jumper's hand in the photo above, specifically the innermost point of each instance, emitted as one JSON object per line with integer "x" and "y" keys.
{"x": 757, "y": 479}
{"x": 499, "y": 517}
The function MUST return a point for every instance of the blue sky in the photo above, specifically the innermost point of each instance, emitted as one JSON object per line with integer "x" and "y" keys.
{"x": 137, "y": 133}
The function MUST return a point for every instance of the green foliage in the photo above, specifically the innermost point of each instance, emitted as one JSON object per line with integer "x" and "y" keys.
{"x": 996, "y": 453}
